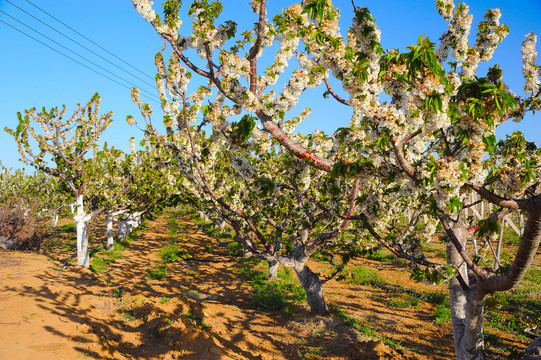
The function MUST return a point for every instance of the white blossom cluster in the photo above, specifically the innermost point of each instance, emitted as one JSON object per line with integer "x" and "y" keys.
{"x": 530, "y": 70}
{"x": 487, "y": 44}
{"x": 291, "y": 92}
{"x": 456, "y": 37}
{"x": 365, "y": 44}
{"x": 445, "y": 8}
{"x": 289, "y": 43}
{"x": 144, "y": 8}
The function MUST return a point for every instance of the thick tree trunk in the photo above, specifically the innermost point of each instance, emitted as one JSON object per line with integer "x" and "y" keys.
{"x": 533, "y": 351}
{"x": 81, "y": 219}
{"x": 466, "y": 308}
{"x": 313, "y": 288}
{"x": 273, "y": 269}
{"x": 110, "y": 238}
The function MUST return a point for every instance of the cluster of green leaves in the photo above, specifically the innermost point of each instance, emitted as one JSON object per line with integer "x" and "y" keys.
{"x": 421, "y": 57}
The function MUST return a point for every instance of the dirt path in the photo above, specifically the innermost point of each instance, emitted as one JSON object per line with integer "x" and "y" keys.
{"x": 201, "y": 310}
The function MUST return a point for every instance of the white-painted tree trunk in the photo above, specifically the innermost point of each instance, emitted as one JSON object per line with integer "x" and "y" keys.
{"x": 54, "y": 220}
{"x": 467, "y": 309}
{"x": 81, "y": 218}
{"x": 110, "y": 239}
{"x": 122, "y": 229}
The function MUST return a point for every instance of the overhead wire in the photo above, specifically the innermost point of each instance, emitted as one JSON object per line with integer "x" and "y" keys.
{"x": 148, "y": 94}
{"x": 90, "y": 40}
{"x": 73, "y": 52}
{"x": 78, "y": 43}
{"x": 61, "y": 53}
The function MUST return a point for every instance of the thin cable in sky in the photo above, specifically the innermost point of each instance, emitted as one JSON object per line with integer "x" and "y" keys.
{"x": 81, "y": 45}
{"x": 86, "y": 38}
{"x": 69, "y": 57}
{"x": 73, "y": 52}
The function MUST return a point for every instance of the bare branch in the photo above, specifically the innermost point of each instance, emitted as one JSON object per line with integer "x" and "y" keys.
{"x": 333, "y": 93}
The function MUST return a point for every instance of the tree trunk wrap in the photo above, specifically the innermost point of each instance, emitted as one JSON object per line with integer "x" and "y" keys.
{"x": 122, "y": 230}
{"x": 110, "y": 238}
{"x": 466, "y": 308}
{"x": 81, "y": 218}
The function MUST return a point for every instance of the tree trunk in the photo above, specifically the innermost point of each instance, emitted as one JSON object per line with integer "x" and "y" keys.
{"x": 81, "y": 219}
{"x": 110, "y": 238}
{"x": 533, "y": 351}
{"x": 467, "y": 309}
{"x": 273, "y": 269}
{"x": 54, "y": 220}
{"x": 122, "y": 229}
{"x": 313, "y": 288}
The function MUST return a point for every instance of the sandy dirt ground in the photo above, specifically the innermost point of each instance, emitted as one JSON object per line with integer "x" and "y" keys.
{"x": 201, "y": 310}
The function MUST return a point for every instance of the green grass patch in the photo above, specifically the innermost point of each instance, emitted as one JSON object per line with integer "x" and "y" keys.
{"x": 197, "y": 319}
{"x": 235, "y": 249}
{"x": 251, "y": 274}
{"x": 362, "y": 327}
{"x": 159, "y": 274}
{"x": 442, "y": 314}
{"x": 438, "y": 251}
{"x": 164, "y": 300}
{"x": 66, "y": 228}
{"x": 98, "y": 264}
{"x": 405, "y": 301}
{"x": 171, "y": 252}
{"x": 510, "y": 236}
{"x": 321, "y": 256}
{"x": 380, "y": 255}
{"x": 269, "y": 296}
{"x": 117, "y": 293}
{"x": 280, "y": 294}
{"x": 364, "y": 276}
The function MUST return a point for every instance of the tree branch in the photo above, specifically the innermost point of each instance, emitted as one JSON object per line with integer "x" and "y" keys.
{"x": 333, "y": 93}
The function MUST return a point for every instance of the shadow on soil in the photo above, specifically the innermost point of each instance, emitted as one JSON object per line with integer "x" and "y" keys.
{"x": 201, "y": 310}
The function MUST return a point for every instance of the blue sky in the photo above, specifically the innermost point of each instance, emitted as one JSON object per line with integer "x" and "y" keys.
{"x": 36, "y": 76}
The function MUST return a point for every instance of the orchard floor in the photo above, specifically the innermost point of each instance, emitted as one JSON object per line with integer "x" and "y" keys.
{"x": 201, "y": 310}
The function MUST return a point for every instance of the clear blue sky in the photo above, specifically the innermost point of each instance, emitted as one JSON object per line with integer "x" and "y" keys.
{"x": 35, "y": 76}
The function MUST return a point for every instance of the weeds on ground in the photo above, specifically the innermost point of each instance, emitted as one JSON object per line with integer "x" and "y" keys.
{"x": 379, "y": 255}
{"x": 171, "y": 252}
{"x": 405, "y": 301}
{"x": 197, "y": 319}
{"x": 362, "y": 327}
{"x": 439, "y": 252}
{"x": 517, "y": 310}
{"x": 164, "y": 300}
{"x": 269, "y": 295}
{"x": 98, "y": 264}
{"x": 235, "y": 249}
{"x": 159, "y": 274}
{"x": 66, "y": 228}
{"x": 442, "y": 314}
{"x": 364, "y": 276}
{"x": 168, "y": 253}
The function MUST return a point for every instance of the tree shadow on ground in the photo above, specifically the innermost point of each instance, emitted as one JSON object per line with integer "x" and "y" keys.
{"x": 201, "y": 310}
